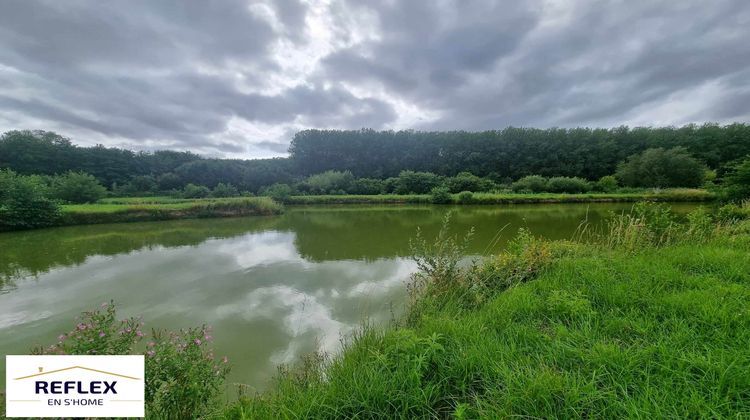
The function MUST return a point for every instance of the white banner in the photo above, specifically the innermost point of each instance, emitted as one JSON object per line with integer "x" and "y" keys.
{"x": 74, "y": 386}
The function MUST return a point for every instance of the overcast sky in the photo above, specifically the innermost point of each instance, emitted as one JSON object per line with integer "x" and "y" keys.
{"x": 237, "y": 78}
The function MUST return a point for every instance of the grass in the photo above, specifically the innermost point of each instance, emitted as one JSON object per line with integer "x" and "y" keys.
{"x": 654, "y": 326}
{"x": 129, "y": 210}
{"x": 508, "y": 198}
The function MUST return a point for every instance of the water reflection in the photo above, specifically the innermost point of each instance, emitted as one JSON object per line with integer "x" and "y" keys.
{"x": 273, "y": 288}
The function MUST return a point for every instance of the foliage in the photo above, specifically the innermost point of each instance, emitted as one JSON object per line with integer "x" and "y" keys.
{"x": 606, "y": 184}
{"x": 466, "y": 197}
{"x": 366, "y": 186}
{"x": 24, "y": 202}
{"x": 329, "y": 182}
{"x": 279, "y": 192}
{"x": 183, "y": 378}
{"x": 737, "y": 181}
{"x": 411, "y": 182}
{"x": 466, "y": 181}
{"x": 195, "y": 191}
{"x": 663, "y": 168}
{"x": 77, "y": 187}
{"x": 530, "y": 183}
{"x": 562, "y": 184}
{"x": 224, "y": 190}
{"x": 440, "y": 195}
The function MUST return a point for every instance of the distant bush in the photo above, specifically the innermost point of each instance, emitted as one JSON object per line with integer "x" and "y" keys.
{"x": 440, "y": 195}
{"x": 410, "y": 182}
{"x": 77, "y": 187}
{"x": 606, "y": 184}
{"x": 531, "y": 183}
{"x": 224, "y": 190}
{"x": 329, "y": 182}
{"x": 366, "y": 186}
{"x": 279, "y": 192}
{"x": 466, "y": 197}
{"x": 24, "y": 202}
{"x": 662, "y": 168}
{"x": 195, "y": 191}
{"x": 466, "y": 181}
{"x": 562, "y": 184}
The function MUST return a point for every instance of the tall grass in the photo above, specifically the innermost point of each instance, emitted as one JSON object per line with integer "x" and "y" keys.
{"x": 653, "y": 324}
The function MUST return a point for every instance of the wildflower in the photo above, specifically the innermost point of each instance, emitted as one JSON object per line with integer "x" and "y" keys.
{"x": 101, "y": 334}
{"x": 139, "y": 333}
{"x": 207, "y": 337}
{"x": 224, "y": 359}
{"x": 104, "y": 304}
{"x": 151, "y": 353}
{"x": 61, "y": 337}
{"x": 198, "y": 341}
{"x": 151, "y": 344}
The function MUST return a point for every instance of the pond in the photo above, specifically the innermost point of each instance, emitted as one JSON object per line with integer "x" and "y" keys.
{"x": 273, "y": 288}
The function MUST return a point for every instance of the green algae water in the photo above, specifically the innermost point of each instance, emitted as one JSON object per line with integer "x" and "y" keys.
{"x": 273, "y": 288}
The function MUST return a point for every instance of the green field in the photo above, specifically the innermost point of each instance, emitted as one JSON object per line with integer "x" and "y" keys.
{"x": 165, "y": 208}
{"x": 645, "y": 320}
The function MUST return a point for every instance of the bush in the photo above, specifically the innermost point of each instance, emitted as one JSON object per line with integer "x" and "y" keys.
{"x": 466, "y": 197}
{"x": 77, "y": 187}
{"x": 183, "y": 379}
{"x": 169, "y": 181}
{"x": 142, "y": 184}
{"x": 279, "y": 192}
{"x": 736, "y": 184}
{"x": 466, "y": 181}
{"x": 195, "y": 191}
{"x": 24, "y": 202}
{"x": 531, "y": 183}
{"x": 661, "y": 168}
{"x": 440, "y": 195}
{"x": 562, "y": 184}
{"x": 329, "y": 182}
{"x": 224, "y": 190}
{"x": 366, "y": 186}
{"x": 606, "y": 184}
{"x": 410, "y": 182}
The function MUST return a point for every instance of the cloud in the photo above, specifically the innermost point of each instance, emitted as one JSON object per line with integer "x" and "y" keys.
{"x": 236, "y": 78}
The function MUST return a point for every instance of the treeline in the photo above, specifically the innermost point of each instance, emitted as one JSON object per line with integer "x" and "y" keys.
{"x": 374, "y": 158}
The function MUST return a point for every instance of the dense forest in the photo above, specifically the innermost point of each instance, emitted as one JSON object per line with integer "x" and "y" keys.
{"x": 500, "y": 156}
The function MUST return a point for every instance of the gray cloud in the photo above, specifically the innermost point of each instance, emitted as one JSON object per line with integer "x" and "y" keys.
{"x": 237, "y": 77}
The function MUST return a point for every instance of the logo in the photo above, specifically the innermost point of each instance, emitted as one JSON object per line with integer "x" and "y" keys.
{"x": 74, "y": 386}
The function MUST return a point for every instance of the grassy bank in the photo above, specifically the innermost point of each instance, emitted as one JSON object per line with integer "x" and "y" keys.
{"x": 507, "y": 198}
{"x": 646, "y": 320}
{"x": 164, "y": 208}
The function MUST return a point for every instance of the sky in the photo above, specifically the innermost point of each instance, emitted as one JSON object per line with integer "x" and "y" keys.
{"x": 237, "y": 78}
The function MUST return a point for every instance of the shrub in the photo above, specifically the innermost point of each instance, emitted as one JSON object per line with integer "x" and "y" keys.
{"x": 531, "y": 183}
{"x": 466, "y": 181}
{"x": 329, "y": 182}
{"x": 440, "y": 195}
{"x": 466, "y": 197}
{"x": 279, "y": 192}
{"x": 195, "y": 191}
{"x": 183, "y": 379}
{"x": 606, "y": 184}
{"x": 77, "y": 187}
{"x": 224, "y": 190}
{"x": 24, "y": 202}
{"x": 662, "y": 168}
{"x": 410, "y": 182}
{"x": 562, "y": 184}
{"x": 169, "y": 181}
{"x": 366, "y": 186}
{"x": 737, "y": 181}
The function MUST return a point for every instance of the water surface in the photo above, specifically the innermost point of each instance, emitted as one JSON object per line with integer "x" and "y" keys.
{"x": 273, "y": 288}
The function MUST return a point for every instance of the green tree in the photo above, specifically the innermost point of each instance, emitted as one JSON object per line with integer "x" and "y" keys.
{"x": 440, "y": 195}
{"x": 660, "y": 167}
{"x": 224, "y": 190}
{"x": 606, "y": 183}
{"x": 195, "y": 191}
{"x": 77, "y": 187}
{"x": 329, "y": 182}
{"x": 24, "y": 202}
{"x": 737, "y": 181}
{"x": 530, "y": 183}
{"x": 411, "y": 182}
{"x": 564, "y": 184}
